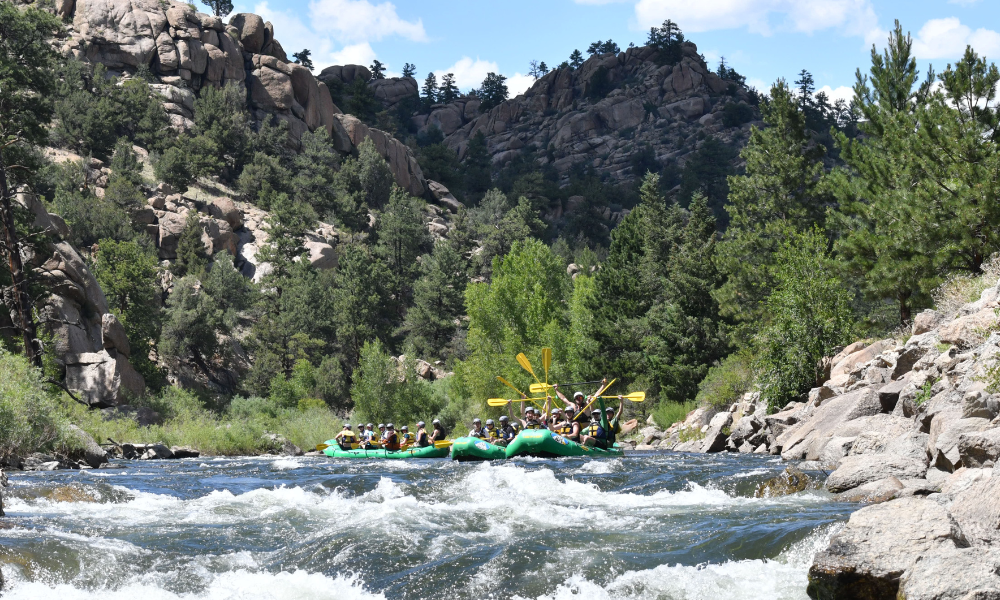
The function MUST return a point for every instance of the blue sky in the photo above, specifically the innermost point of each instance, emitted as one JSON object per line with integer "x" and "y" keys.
{"x": 762, "y": 39}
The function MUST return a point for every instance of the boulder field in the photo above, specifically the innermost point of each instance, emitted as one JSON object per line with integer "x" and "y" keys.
{"x": 910, "y": 426}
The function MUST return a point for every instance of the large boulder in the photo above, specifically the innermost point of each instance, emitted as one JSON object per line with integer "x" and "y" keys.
{"x": 393, "y": 90}
{"x": 865, "y": 560}
{"x": 119, "y": 33}
{"x": 859, "y": 470}
{"x": 977, "y": 510}
{"x": 250, "y": 29}
{"x": 170, "y": 228}
{"x": 953, "y": 573}
{"x": 967, "y": 331}
{"x": 103, "y": 380}
{"x": 977, "y": 450}
{"x": 806, "y": 440}
{"x": 84, "y": 448}
{"x": 113, "y": 335}
{"x": 270, "y": 89}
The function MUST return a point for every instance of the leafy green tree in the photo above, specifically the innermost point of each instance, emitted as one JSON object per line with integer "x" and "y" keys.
{"x": 809, "y": 314}
{"x": 220, "y": 8}
{"x": 381, "y": 393}
{"x": 125, "y": 163}
{"x": 90, "y": 218}
{"x": 782, "y": 191}
{"x": 440, "y": 163}
{"x": 493, "y": 91}
{"x": 430, "y": 89}
{"x": 706, "y": 172}
{"x": 448, "y": 91}
{"x": 128, "y": 275}
{"x": 438, "y": 301}
{"x": 304, "y": 58}
{"x": 576, "y": 59}
{"x": 192, "y": 258}
{"x": 26, "y": 66}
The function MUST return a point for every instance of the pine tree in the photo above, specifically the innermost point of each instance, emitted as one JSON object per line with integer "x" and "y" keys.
{"x": 304, "y": 58}
{"x": 400, "y": 238}
{"x": 449, "y": 91}
{"x": 782, "y": 191}
{"x": 438, "y": 301}
{"x": 576, "y": 59}
{"x": 220, "y": 8}
{"x": 409, "y": 70}
{"x": 493, "y": 91}
{"x": 478, "y": 166}
{"x": 377, "y": 69}
{"x": 191, "y": 255}
{"x": 430, "y": 89}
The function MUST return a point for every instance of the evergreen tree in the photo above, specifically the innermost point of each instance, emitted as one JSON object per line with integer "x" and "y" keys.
{"x": 360, "y": 297}
{"x": 478, "y": 166}
{"x": 449, "y": 91}
{"x": 368, "y": 181}
{"x": 400, "y": 239}
{"x": 782, "y": 191}
{"x": 409, "y": 70}
{"x": 879, "y": 241}
{"x": 377, "y": 69}
{"x": 315, "y": 167}
{"x": 220, "y": 8}
{"x": 500, "y": 224}
{"x": 493, "y": 91}
{"x": 543, "y": 68}
{"x": 287, "y": 225}
{"x": 667, "y": 40}
{"x": 304, "y": 58}
{"x": 191, "y": 255}
{"x": 438, "y": 301}
{"x": 430, "y": 89}
{"x": 363, "y": 104}
{"x": 576, "y": 59}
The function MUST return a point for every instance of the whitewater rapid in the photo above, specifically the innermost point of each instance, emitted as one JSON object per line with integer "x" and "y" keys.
{"x": 662, "y": 526}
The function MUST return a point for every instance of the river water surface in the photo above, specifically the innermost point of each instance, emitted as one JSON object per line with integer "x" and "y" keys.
{"x": 664, "y": 526}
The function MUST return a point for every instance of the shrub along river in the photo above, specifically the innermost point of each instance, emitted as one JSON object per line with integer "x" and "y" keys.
{"x": 678, "y": 526}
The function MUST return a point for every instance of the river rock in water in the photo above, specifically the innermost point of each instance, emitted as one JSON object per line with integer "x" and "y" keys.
{"x": 790, "y": 481}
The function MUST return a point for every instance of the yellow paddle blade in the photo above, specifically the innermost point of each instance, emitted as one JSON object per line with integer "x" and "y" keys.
{"x": 498, "y": 402}
{"x": 634, "y": 397}
{"x": 539, "y": 388}
{"x": 526, "y": 365}
{"x": 321, "y": 447}
{"x": 443, "y": 444}
{"x": 546, "y": 362}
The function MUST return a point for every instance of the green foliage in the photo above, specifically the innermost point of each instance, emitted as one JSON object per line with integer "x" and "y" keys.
{"x": 362, "y": 104}
{"x": 384, "y": 392}
{"x": 220, "y": 8}
{"x": 737, "y": 113}
{"x": 781, "y": 192}
{"x": 493, "y": 91}
{"x": 287, "y": 225}
{"x": 809, "y": 314}
{"x": 264, "y": 174}
{"x": 304, "y": 58}
{"x": 315, "y": 180}
{"x": 128, "y": 275}
{"x": 27, "y": 62}
{"x": 448, "y": 92}
{"x": 368, "y": 180}
{"x": 221, "y": 117}
{"x": 94, "y": 111}
{"x": 29, "y": 421}
{"x": 600, "y": 84}
{"x": 925, "y": 393}
{"x": 499, "y": 225}
{"x": 174, "y": 169}
{"x": 430, "y": 90}
{"x": 667, "y": 40}
{"x": 576, "y": 59}
{"x": 90, "y": 218}
{"x": 478, "y": 166}
{"x": 400, "y": 239}
{"x": 726, "y": 382}
{"x": 438, "y": 301}
{"x": 192, "y": 258}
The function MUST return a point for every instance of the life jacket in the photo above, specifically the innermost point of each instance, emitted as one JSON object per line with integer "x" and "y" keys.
{"x": 408, "y": 438}
{"x": 492, "y": 434}
{"x": 391, "y": 441}
{"x": 508, "y": 433}
{"x": 564, "y": 429}
{"x": 595, "y": 430}
{"x": 533, "y": 424}
{"x": 481, "y": 434}
{"x": 422, "y": 438}
{"x": 347, "y": 436}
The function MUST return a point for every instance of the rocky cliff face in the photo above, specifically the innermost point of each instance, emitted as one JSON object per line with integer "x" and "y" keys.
{"x": 187, "y": 50}
{"x": 566, "y": 119}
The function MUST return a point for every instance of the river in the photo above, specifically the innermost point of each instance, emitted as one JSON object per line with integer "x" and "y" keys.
{"x": 665, "y": 526}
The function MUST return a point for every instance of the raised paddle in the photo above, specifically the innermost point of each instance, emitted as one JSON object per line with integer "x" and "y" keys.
{"x": 541, "y": 388}
{"x": 497, "y": 402}
{"x": 634, "y": 397}
{"x": 583, "y": 411}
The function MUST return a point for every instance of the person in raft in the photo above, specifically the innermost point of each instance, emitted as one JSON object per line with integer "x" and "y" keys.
{"x": 555, "y": 418}
{"x": 380, "y": 436}
{"x": 390, "y": 441}
{"x": 368, "y": 437}
{"x": 423, "y": 440}
{"x": 477, "y": 429}
{"x": 439, "y": 433}
{"x": 570, "y": 428}
{"x": 597, "y": 433}
{"x": 613, "y": 420}
{"x": 508, "y": 431}
{"x": 405, "y": 437}
{"x": 491, "y": 431}
{"x": 346, "y": 437}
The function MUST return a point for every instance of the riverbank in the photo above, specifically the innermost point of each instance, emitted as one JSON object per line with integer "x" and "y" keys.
{"x": 911, "y": 425}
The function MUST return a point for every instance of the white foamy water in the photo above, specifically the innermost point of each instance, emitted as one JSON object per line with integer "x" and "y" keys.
{"x": 295, "y": 528}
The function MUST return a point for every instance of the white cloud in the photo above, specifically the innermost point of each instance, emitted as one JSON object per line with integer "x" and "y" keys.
{"x": 841, "y": 93}
{"x": 362, "y": 21}
{"x": 947, "y": 38}
{"x": 517, "y": 84}
{"x": 853, "y": 17}
{"x": 469, "y": 73}
{"x": 759, "y": 84}
{"x": 355, "y": 54}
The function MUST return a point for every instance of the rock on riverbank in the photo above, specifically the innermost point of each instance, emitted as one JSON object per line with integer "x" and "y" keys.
{"x": 910, "y": 424}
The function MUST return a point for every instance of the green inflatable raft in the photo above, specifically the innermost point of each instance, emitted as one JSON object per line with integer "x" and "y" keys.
{"x": 335, "y": 451}
{"x": 471, "y": 448}
{"x": 546, "y": 444}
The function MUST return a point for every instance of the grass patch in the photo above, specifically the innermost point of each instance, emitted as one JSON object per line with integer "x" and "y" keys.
{"x": 667, "y": 413}
{"x": 959, "y": 290}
